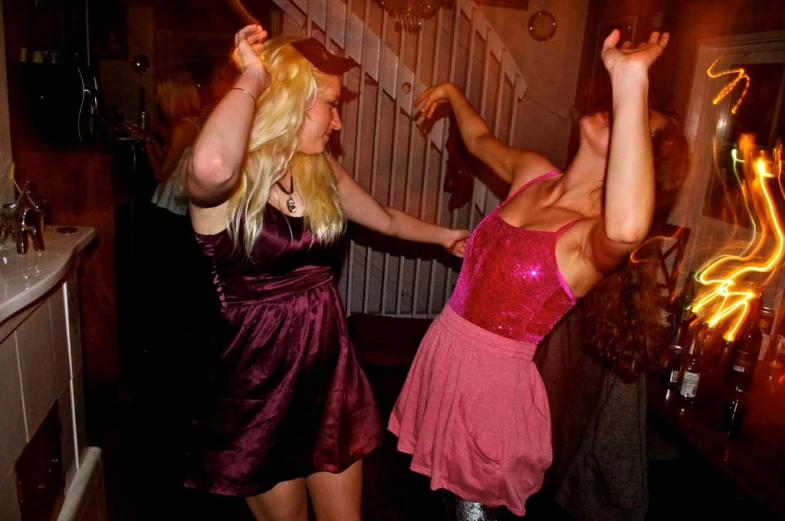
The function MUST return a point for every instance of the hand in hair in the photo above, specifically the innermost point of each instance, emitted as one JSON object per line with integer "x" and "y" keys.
{"x": 248, "y": 47}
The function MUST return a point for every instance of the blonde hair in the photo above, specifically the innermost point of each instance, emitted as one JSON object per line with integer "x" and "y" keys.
{"x": 272, "y": 150}
{"x": 177, "y": 93}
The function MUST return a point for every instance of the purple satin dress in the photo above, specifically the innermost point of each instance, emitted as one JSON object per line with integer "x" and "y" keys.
{"x": 288, "y": 397}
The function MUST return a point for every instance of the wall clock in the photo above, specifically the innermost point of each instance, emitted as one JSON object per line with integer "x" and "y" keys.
{"x": 542, "y": 26}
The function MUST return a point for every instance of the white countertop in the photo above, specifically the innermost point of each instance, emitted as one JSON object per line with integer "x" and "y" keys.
{"x": 24, "y": 279}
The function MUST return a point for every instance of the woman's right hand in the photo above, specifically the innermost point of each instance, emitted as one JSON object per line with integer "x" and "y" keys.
{"x": 622, "y": 60}
{"x": 248, "y": 47}
{"x": 135, "y": 132}
{"x": 433, "y": 97}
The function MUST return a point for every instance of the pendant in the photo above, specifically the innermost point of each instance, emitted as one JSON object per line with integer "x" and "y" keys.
{"x": 290, "y": 205}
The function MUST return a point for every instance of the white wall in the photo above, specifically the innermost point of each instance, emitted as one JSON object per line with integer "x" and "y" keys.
{"x": 550, "y": 69}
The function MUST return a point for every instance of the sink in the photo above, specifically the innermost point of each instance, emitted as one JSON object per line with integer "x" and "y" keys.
{"x": 14, "y": 265}
{"x": 26, "y": 278}
{"x": 23, "y": 271}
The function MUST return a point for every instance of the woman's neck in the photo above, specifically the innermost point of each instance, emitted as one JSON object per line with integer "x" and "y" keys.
{"x": 582, "y": 183}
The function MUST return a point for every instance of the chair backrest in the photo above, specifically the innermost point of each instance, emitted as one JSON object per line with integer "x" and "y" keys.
{"x": 674, "y": 244}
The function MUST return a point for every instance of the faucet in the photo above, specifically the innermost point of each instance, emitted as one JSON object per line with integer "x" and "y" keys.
{"x": 22, "y": 219}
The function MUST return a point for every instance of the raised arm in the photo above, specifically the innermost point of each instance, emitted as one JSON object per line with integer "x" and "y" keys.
{"x": 511, "y": 164}
{"x": 629, "y": 183}
{"x": 363, "y": 209}
{"x": 214, "y": 166}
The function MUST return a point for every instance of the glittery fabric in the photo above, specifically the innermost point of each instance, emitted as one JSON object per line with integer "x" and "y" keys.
{"x": 288, "y": 397}
{"x": 473, "y": 412}
{"x": 510, "y": 283}
{"x": 459, "y": 509}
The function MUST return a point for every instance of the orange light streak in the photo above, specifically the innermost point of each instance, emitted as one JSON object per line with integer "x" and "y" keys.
{"x": 728, "y": 294}
{"x": 726, "y": 90}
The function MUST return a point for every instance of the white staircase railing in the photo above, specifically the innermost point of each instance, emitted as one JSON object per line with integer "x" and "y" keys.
{"x": 389, "y": 152}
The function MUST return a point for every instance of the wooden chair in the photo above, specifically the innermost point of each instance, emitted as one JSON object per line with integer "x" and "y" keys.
{"x": 674, "y": 244}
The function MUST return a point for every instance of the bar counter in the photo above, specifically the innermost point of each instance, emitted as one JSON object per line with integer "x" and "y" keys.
{"x": 751, "y": 460}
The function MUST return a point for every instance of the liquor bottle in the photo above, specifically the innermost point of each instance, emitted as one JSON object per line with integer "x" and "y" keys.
{"x": 735, "y": 404}
{"x": 766, "y": 328}
{"x": 691, "y": 368}
{"x": 774, "y": 364}
{"x": 747, "y": 350}
{"x": 681, "y": 339}
{"x": 143, "y": 117}
{"x": 684, "y": 301}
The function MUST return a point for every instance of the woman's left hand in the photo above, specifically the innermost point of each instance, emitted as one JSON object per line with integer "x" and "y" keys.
{"x": 624, "y": 57}
{"x": 248, "y": 47}
{"x": 456, "y": 242}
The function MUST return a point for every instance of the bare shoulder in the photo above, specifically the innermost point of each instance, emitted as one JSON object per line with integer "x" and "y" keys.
{"x": 528, "y": 166}
{"x": 208, "y": 220}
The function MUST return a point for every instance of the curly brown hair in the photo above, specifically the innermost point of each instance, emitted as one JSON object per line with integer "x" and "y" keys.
{"x": 621, "y": 314}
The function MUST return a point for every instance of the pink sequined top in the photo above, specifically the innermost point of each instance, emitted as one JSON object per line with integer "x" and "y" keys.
{"x": 510, "y": 283}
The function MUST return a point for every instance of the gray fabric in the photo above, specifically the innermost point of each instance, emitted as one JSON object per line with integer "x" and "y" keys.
{"x": 599, "y": 430}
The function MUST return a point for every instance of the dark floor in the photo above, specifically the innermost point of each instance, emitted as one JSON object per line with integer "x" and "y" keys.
{"x": 141, "y": 440}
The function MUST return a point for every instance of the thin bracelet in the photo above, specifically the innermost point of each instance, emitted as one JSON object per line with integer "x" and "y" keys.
{"x": 242, "y": 89}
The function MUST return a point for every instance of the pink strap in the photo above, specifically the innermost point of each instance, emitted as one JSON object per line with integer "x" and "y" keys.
{"x": 526, "y": 185}
{"x": 568, "y": 225}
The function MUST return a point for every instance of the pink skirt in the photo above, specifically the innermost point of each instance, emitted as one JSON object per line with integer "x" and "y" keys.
{"x": 474, "y": 415}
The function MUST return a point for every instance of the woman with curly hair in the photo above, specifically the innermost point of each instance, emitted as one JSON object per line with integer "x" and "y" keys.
{"x": 290, "y": 414}
{"x": 473, "y": 411}
{"x": 622, "y": 329}
{"x": 593, "y": 365}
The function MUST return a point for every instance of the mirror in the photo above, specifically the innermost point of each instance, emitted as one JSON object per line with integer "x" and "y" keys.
{"x": 762, "y": 114}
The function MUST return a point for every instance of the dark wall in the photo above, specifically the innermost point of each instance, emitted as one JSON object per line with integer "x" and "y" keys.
{"x": 200, "y": 15}
{"x": 208, "y": 16}
{"x": 688, "y": 21}
{"x": 699, "y": 19}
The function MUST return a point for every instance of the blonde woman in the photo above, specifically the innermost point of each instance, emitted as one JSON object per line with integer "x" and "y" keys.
{"x": 177, "y": 96}
{"x": 291, "y": 413}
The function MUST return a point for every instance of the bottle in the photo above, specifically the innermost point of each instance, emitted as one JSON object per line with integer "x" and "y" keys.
{"x": 684, "y": 301}
{"x": 766, "y": 327}
{"x": 744, "y": 358}
{"x": 143, "y": 118}
{"x": 773, "y": 366}
{"x": 673, "y": 369}
{"x": 681, "y": 338}
{"x": 691, "y": 368}
{"x": 735, "y": 404}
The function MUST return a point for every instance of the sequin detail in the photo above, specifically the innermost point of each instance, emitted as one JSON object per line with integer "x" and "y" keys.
{"x": 458, "y": 509}
{"x": 510, "y": 283}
